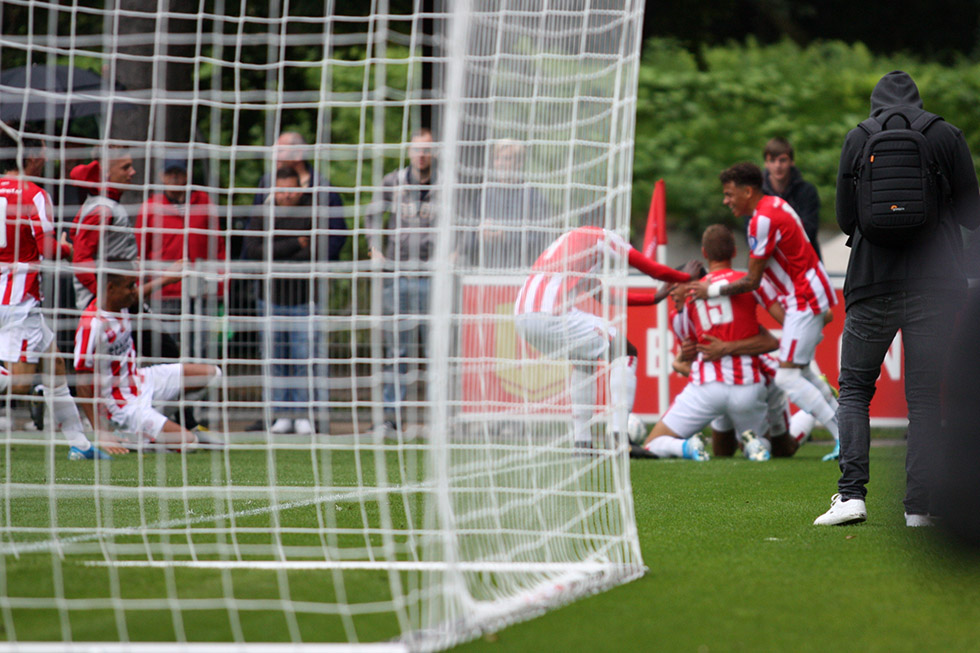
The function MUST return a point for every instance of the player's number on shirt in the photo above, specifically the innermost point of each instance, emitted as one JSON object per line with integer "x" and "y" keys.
{"x": 714, "y": 311}
{"x": 3, "y": 232}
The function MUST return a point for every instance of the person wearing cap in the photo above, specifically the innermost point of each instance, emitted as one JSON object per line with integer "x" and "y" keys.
{"x": 177, "y": 224}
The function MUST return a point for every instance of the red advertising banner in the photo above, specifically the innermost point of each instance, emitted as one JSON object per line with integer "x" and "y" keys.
{"x": 497, "y": 374}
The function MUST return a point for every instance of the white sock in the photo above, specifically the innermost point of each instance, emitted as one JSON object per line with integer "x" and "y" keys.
{"x": 807, "y": 396}
{"x": 583, "y": 404}
{"x": 800, "y": 425}
{"x": 666, "y": 446}
{"x": 62, "y": 408}
{"x": 810, "y": 375}
{"x": 622, "y": 390}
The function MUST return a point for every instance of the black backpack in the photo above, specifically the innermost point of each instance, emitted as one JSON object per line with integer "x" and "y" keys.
{"x": 898, "y": 183}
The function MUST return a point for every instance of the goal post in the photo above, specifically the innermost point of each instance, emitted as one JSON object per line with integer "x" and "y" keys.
{"x": 390, "y": 466}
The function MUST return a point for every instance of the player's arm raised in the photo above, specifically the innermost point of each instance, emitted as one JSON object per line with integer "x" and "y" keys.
{"x": 750, "y": 282}
{"x": 655, "y": 270}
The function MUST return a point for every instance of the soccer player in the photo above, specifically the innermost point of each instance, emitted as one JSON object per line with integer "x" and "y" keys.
{"x": 780, "y": 252}
{"x": 116, "y": 389}
{"x": 732, "y": 385}
{"x": 25, "y": 338}
{"x": 557, "y": 313}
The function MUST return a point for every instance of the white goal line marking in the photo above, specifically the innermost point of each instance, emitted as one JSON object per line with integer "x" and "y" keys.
{"x": 368, "y": 565}
{"x": 14, "y": 548}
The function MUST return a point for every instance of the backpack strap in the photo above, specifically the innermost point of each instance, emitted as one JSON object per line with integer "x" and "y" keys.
{"x": 923, "y": 120}
{"x": 871, "y": 126}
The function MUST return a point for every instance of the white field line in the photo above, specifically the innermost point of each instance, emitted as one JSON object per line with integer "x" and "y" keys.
{"x": 197, "y": 647}
{"x": 369, "y": 565}
{"x": 15, "y": 548}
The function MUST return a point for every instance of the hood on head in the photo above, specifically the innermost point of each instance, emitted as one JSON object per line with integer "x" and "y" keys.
{"x": 88, "y": 177}
{"x": 895, "y": 89}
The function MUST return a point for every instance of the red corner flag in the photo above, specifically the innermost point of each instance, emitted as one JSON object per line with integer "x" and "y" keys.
{"x": 656, "y": 230}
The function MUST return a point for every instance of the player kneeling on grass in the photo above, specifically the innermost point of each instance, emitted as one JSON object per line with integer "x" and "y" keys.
{"x": 120, "y": 394}
{"x": 557, "y": 314}
{"x": 733, "y": 385}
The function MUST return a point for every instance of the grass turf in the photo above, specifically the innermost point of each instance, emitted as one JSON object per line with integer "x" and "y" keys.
{"x": 735, "y": 564}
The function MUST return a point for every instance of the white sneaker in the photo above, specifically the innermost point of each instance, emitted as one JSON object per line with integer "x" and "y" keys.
{"x": 916, "y": 521}
{"x": 693, "y": 449}
{"x": 282, "y": 425}
{"x": 302, "y": 426}
{"x": 754, "y": 448}
{"x": 843, "y": 511}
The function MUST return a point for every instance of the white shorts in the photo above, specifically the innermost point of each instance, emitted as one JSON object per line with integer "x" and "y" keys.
{"x": 777, "y": 413}
{"x": 802, "y": 332}
{"x": 697, "y": 405}
{"x": 24, "y": 335}
{"x": 576, "y": 335}
{"x": 160, "y": 383}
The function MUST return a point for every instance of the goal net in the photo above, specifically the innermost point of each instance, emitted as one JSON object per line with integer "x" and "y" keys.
{"x": 337, "y": 435}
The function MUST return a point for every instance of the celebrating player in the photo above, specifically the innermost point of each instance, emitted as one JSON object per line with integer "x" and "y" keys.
{"x": 557, "y": 313}
{"x": 105, "y": 359}
{"x": 780, "y": 252}
{"x": 732, "y": 385}
{"x": 24, "y": 336}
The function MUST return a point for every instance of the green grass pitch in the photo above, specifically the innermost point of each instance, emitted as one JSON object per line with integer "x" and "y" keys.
{"x": 734, "y": 562}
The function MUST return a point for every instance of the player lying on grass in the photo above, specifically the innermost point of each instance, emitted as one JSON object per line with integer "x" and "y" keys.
{"x": 25, "y": 339}
{"x": 557, "y": 312}
{"x": 115, "y": 392}
{"x": 732, "y": 385}
{"x": 780, "y": 252}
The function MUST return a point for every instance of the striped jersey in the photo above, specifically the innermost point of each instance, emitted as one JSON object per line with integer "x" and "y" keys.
{"x": 25, "y": 207}
{"x": 727, "y": 318}
{"x": 104, "y": 348}
{"x": 801, "y": 281}
{"x": 567, "y": 272}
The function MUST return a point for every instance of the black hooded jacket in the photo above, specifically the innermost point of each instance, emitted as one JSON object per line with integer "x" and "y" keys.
{"x": 936, "y": 262}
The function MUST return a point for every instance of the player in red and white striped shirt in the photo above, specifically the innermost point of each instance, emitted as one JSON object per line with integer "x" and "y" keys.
{"x": 732, "y": 385}
{"x": 780, "y": 251}
{"x": 558, "y": 312}
{"x": 25, "y": 339}
{"x": 117, "y": 390}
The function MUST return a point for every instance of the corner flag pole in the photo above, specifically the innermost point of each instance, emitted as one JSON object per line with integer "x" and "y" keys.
{"x": 655, "y": 246}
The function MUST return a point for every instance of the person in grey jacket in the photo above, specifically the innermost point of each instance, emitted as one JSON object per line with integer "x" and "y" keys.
{"x": 404, "y": 246}
{"x": 916, "y": 288}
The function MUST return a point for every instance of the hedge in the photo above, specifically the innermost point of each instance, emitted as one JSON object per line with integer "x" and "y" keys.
{"x": 697, "y": 115}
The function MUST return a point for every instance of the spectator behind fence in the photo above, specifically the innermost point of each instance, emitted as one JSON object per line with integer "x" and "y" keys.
{"x": 292, "y": 151}
{"x": 404, "y": 245}
{"x": 286, "y": 302}
{"x": 177, "y": 224}
{"x": 512, "y": 217}
{"x": 782, "y": 178}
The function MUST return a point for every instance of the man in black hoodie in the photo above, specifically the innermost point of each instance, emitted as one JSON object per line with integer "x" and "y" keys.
{"x": 917, "y": 289}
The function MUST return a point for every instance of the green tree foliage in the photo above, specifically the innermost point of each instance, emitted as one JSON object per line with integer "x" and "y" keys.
{"x": 697, "y": 116}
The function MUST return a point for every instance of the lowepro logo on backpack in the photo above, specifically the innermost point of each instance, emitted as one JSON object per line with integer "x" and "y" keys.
{"x": 897, "y": 178}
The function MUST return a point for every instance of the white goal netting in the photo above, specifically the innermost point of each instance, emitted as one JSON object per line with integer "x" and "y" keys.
{"x": 356, "y": 193}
